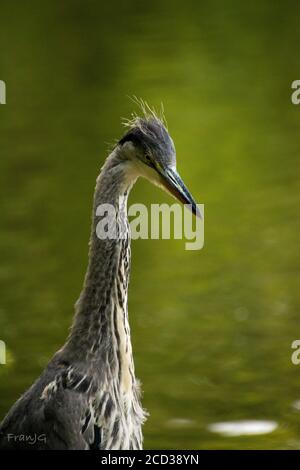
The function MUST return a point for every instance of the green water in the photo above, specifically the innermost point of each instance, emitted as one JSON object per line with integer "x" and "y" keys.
{"x": 212, "y": 329}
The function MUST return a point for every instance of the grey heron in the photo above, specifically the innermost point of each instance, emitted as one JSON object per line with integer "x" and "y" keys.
{"x": 88, "y": 396}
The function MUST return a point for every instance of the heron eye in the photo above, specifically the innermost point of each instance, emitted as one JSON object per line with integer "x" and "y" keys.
{"x": 148, "y": 158}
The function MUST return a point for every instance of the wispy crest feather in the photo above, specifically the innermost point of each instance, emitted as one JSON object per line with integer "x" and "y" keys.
{"x": 148, "y": 113}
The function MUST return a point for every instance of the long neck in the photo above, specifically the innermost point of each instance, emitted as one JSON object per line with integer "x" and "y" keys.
{"x": 100, "y": 334}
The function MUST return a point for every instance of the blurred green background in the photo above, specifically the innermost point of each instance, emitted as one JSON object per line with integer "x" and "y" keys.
{"x": 212, "y": 329}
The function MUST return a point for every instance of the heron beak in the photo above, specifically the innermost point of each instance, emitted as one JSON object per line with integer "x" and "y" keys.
{"x": 173, "y": 183}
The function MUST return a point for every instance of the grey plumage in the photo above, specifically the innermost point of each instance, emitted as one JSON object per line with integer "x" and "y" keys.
{"x": 88, "y": 396}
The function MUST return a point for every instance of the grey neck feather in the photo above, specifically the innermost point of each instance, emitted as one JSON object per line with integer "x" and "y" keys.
{"x": 102, "y": 306}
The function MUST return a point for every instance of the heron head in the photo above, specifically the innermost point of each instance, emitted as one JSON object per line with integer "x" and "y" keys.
{"x": 149, "y": 146}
